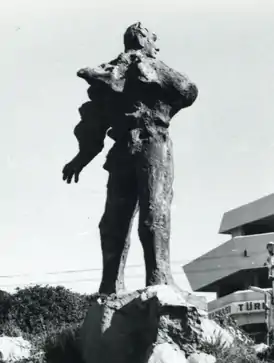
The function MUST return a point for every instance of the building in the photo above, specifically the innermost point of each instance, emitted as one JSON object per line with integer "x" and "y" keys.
{"x": 229, "y": 269}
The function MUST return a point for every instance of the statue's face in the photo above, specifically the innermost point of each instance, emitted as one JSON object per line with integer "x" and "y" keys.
{"x": 140, "y": 37}
{"x": 148, "y": 40}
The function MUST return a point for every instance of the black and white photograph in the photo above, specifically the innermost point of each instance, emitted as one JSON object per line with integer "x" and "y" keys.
{"x": 137, "y": 183}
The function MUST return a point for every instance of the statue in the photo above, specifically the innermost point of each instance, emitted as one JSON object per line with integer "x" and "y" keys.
{"x": 132, "y": 100}
{"x": 270, "y": 260}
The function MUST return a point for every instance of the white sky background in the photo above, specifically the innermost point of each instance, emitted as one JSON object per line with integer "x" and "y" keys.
{"x": 223, "y": 144}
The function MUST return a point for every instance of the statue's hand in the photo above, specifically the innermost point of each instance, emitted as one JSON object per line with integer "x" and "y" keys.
{"x": 72, "y": 169}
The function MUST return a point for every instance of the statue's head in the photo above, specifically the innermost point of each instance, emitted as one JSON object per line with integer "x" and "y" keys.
{"x": 138, "y": 37}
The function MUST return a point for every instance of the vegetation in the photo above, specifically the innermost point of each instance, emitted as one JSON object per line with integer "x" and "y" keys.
{"x": 238, "y": 352}
{"x": 50, "y": 317}
{"x": 37, "y": 309}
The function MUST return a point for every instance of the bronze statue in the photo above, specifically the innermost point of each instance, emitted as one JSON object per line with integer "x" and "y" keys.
{"x": 132, "y": 100}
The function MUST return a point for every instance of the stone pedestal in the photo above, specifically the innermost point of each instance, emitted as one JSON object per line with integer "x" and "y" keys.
{"x": 127, "y": 328}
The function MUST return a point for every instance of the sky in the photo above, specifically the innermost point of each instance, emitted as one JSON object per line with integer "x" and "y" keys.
{"x": 223, "y": 144}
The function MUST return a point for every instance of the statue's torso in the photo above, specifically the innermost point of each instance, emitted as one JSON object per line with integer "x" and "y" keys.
{"x": 141, "y": 95}
{"x": 145, "y": 105}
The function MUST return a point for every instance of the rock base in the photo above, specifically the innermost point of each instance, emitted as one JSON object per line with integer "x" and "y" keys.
{"x": 157, "y": 324}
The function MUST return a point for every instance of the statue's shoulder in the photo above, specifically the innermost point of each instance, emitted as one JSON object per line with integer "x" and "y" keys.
{"x": 123, "y": 58}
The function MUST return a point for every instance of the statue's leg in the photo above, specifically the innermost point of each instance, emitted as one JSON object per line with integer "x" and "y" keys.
{"x": 115, "y": 228}
{"x": 155, "y": 179}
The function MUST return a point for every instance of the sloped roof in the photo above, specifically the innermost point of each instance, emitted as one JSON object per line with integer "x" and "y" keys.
{"x": 259, "y": 210}
{"x": 226, "y": 260}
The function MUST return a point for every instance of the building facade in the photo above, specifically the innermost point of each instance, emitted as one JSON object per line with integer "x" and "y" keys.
{"x": 231, "y": 268}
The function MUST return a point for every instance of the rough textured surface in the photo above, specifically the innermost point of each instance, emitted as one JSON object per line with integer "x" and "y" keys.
{"x": 211, "y": 332}
{"x": 132, "y": 100}
{"x": 13, "y": 349}
{"x": 201, "y": 358}
{"x": 166, "y": 353}
{"x": 260, "y": 348}
{"x": 129, "y": 327}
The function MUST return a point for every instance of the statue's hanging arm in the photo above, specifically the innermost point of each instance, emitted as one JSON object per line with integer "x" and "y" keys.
{"x": 90, "y": 133}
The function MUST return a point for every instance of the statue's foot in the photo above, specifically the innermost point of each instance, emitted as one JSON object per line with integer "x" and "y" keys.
{"x": 116, "y": 288}
{"x": 159, "y": 278}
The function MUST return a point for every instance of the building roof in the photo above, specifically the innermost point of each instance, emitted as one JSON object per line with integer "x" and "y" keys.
{"x": 260, "y": 211}
{"x": 227, "y": 259}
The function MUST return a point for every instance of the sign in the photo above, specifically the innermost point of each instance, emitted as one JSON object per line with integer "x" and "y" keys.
{"x": 226, "y": 310}
{"x": 250, "y": 307}
{"x": 241, "y": 307}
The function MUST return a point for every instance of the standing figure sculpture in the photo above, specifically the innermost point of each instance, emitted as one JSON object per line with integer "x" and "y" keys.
{"x": 132, "y": 100}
